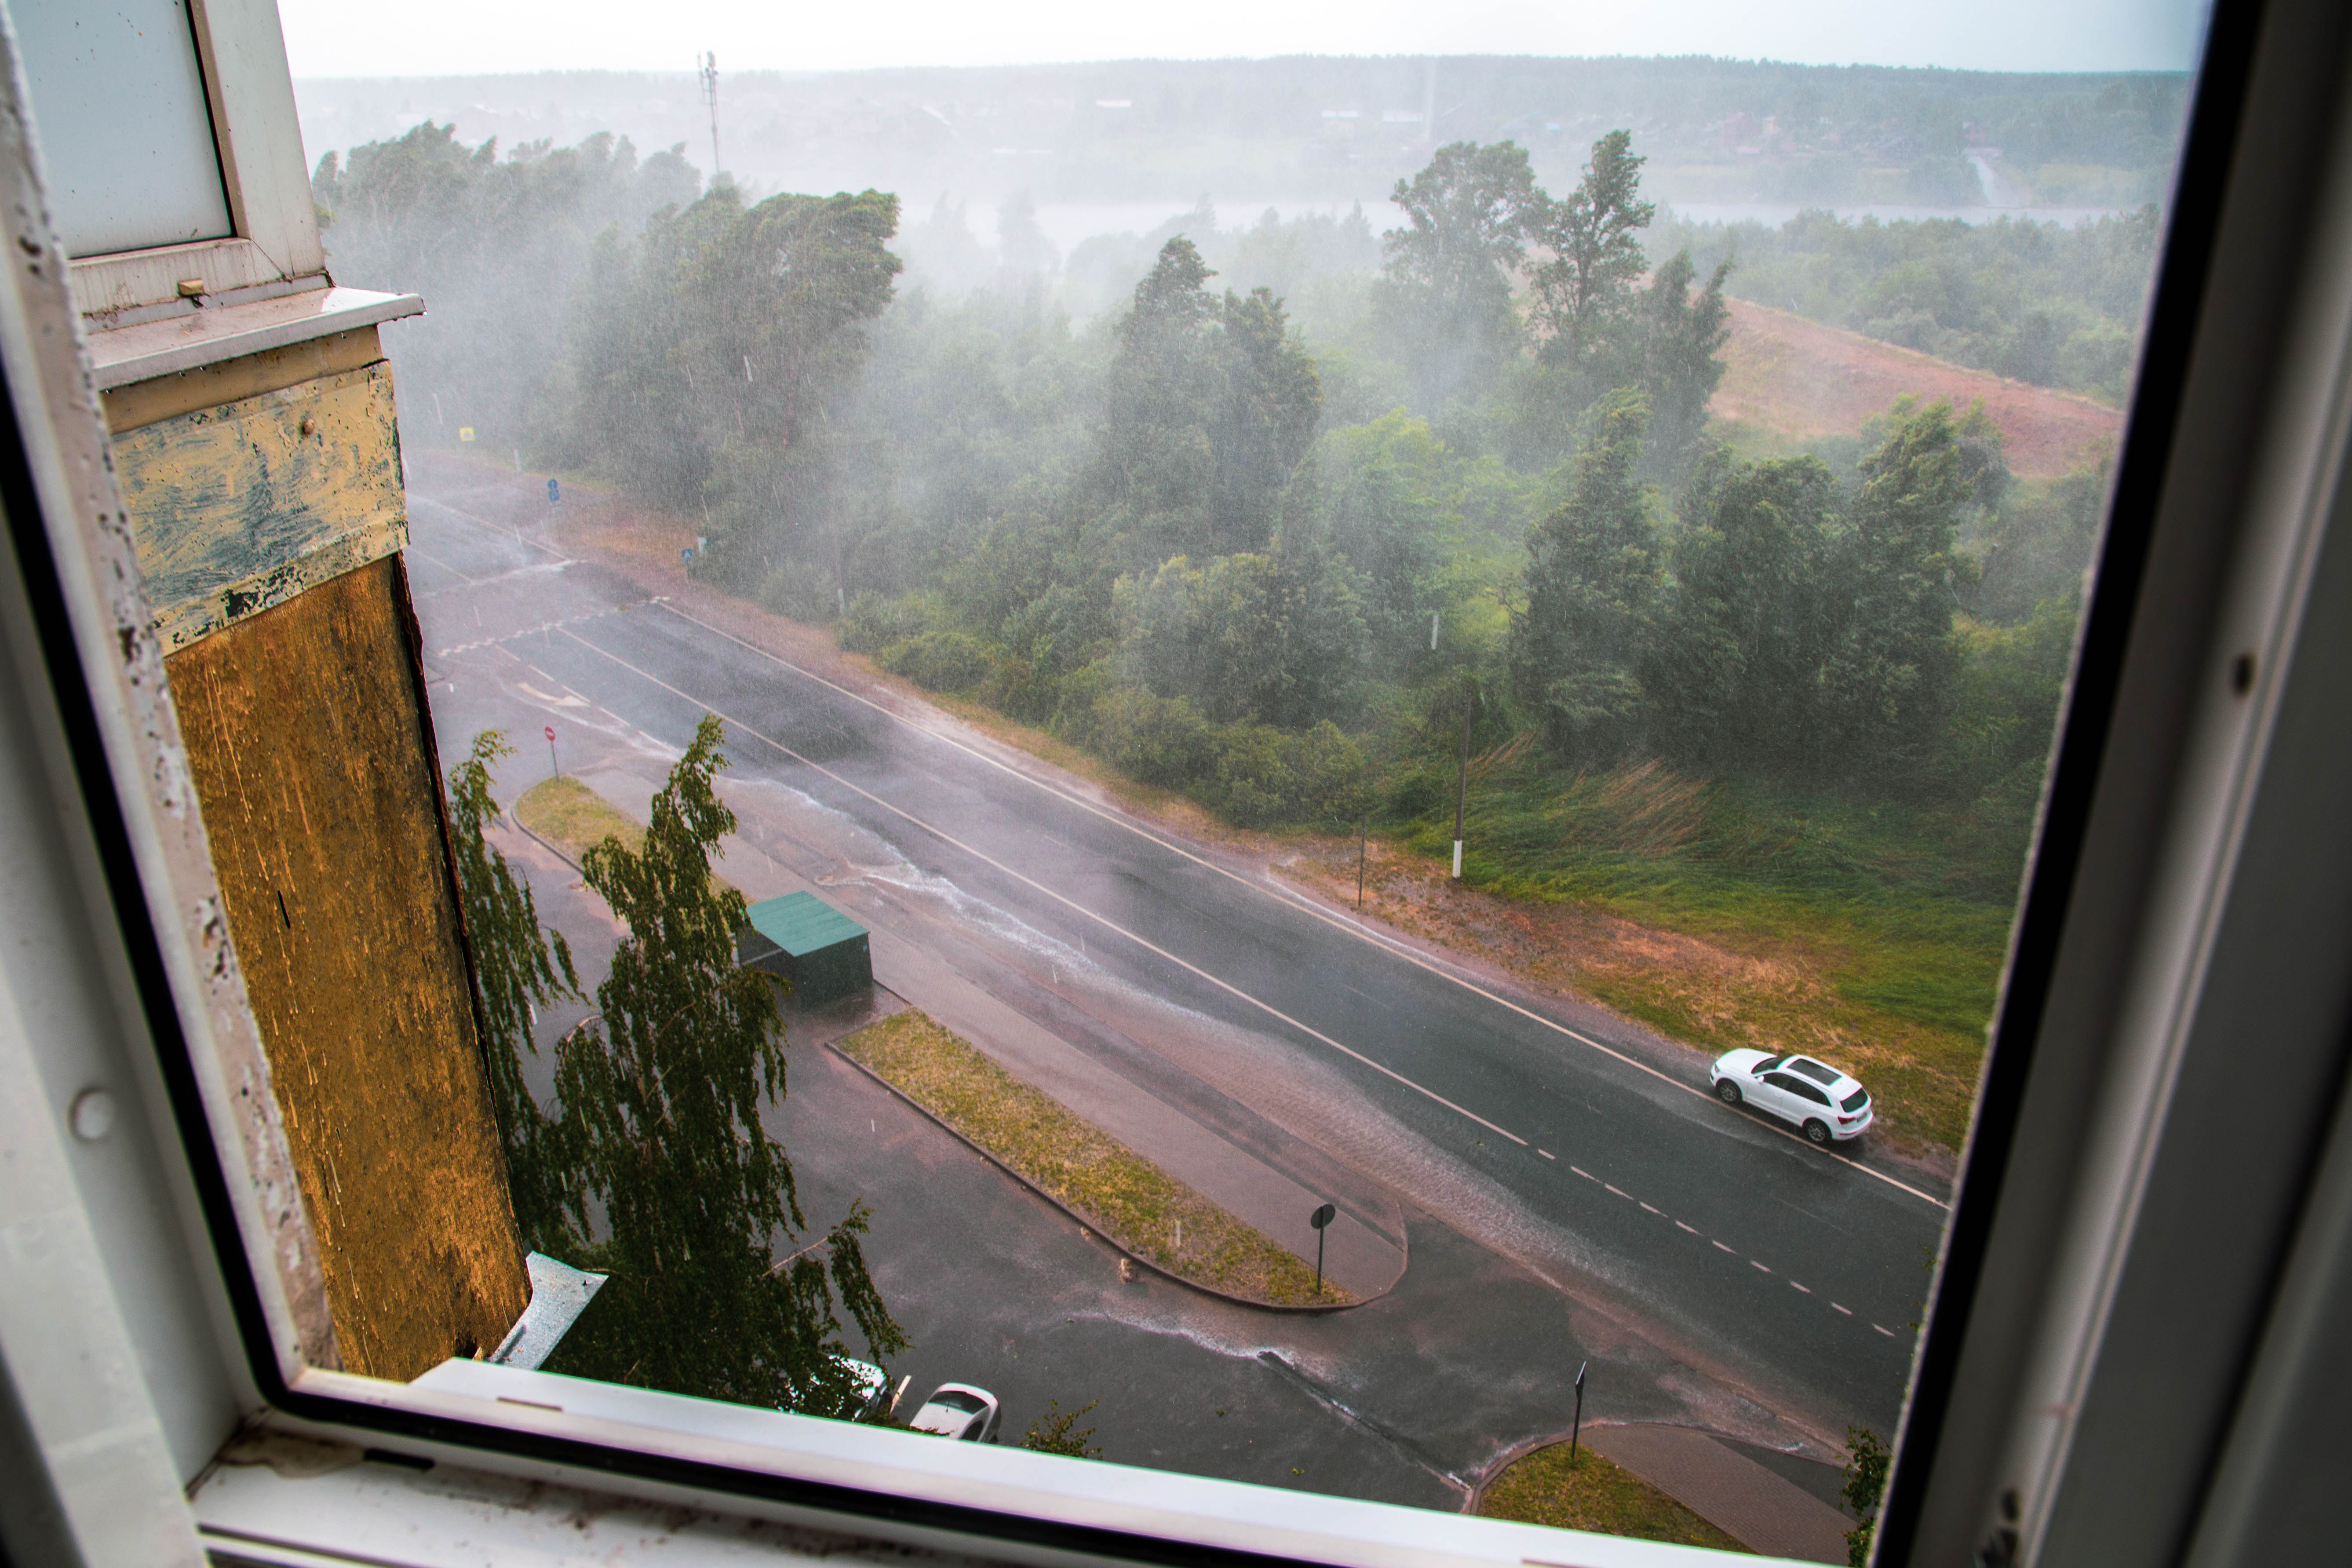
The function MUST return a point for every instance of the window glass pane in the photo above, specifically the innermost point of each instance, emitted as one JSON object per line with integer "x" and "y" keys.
{"x": 1293, "y": 669}
{"x": 126, "y": 134}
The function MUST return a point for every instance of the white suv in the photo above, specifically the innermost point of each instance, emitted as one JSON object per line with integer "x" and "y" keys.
{"x": 1830, "y": 1106}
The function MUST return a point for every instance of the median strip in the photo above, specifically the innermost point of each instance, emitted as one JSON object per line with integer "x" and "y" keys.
{"x": 1130, "y": 1201}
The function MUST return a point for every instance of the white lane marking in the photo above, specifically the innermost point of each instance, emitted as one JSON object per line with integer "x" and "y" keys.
{"x": 1627, "y": 1197}
{"x": 1547, "y": 1154}
{"x": 434, "y": 560}
{"x": 1720, "y": 1248}
{"x": 946, "y": 838}
{"x": 1806, "y": 1289}
{"x": 514, "y": 534}
{"x": 1286, "y": 898}
{"x": 1888, "y": 1332}
{"x": 1585, "y": 1173}
{"x": 1847, "y": 1310}
{"x": 1680, "y": 1225}
{"x": 1753, "y": 1263}
{"x": 1659, "y": 1213}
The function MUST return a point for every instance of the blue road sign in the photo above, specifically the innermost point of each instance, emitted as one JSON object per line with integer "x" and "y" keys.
{"x": 554, "y": 492}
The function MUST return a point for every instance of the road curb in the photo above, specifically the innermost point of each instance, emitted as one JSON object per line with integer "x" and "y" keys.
{"x": 1706, "y": 1508}
{"x": 1094, "y": 1228}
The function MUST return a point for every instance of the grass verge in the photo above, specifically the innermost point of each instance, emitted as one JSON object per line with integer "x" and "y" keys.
{"x": 1126, "y": 1196}
{"x": 1545, "y": 1488}
{"x": 572, "y": 817}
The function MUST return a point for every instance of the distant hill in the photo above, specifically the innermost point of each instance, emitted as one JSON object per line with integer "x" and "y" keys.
{"x": 1795, "y": 381}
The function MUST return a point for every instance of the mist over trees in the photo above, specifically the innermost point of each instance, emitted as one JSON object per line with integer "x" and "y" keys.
{"x": 1260, "y": 527}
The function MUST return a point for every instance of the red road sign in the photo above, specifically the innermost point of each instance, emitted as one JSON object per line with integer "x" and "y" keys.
{"x": 550, "y": 734}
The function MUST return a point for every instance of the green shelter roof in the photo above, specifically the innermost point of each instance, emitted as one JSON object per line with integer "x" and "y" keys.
{"x": 802, "y": 923}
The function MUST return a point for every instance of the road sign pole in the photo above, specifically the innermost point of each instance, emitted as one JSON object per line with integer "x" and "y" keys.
{"x": 1321, "y": 1220}
{"x": 553, "y": 768}
{"x": 1462, "y": 795}
{"x": 1576, "y": 1433}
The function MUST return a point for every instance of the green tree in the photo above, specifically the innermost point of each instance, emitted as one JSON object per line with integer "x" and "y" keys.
{"x": 704, "y": 363}
{"x": 1682, "y": 338}
{"x": 1865, "y": 1484}
{"x": 1448, "y": 285}
{"x": 1058, "y": 1432}
{"x": 1208, "y": 408}
{"x": 1595, "y": 235}
{"x": 1273, "y": 638}
{"x": 1263, "y": 418}
{"x": 1887, "y": 679}
{"x": 496, "y": 245}
{"x": 517, "y": 967}
{"x": 666, "y": 1151}
{"x": 1735, "y": 666}
{"x": 1592, "y": 572}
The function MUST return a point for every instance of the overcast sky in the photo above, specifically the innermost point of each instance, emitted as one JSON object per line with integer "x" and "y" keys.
{"x": 338, "y": 38}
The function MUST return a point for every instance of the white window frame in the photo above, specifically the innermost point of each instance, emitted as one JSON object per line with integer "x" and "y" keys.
{"x": 2051, "y": 1331}
{"x": 275, "y": 248}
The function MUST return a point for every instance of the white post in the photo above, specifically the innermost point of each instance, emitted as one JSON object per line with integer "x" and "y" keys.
{"x": 1457, "y": 859}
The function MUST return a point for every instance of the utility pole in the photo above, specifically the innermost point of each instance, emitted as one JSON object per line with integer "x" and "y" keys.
{"x": 710, "y": 74}
{"x": 1461, "y": 794}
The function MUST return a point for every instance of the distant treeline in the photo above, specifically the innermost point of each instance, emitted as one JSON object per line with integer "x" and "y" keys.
{"x": 1328, "y": 128}
{"x": 1269, "y": 568}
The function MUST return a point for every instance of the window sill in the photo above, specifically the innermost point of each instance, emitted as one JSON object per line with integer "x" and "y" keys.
{"x": 209, "y": 335}
{"x": 998, "y": 1502}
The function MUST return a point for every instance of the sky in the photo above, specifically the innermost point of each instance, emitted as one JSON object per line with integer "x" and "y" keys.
{"x": 438, "y": 37}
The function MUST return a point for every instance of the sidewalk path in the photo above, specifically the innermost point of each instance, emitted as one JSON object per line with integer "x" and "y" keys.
{"x": 1734, "y": 1493}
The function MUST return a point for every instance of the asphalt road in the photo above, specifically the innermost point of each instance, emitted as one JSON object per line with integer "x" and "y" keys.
{"x": 1409, "y": 1399}
{"x": 1592, "y": 1159}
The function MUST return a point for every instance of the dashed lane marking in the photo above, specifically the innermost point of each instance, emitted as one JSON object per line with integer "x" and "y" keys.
{"x": 1753, "y": 1263}
{"x": 1807, "y": 1289}
{"x": 1627, "y": 1197}
{"x": 1847, "y": 1310}
{"x": 1720, "y": 1248}
{"x": 1659, "y": 1213}
{"x": 1680, "y": 1225}
{"x": 1072, "y": 904}
{"x": 1585, "y": 1173}
{"x": 1547, "y": 1154}
{"x": 1888, "y": 1332}
{"x": 1280, "y": 895}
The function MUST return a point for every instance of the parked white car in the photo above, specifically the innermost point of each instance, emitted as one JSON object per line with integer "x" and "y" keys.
{"x": 1825, "y": 1103}
{"x": 960, "y": 1411}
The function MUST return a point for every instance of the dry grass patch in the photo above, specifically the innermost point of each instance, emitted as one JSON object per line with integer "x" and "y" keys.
{"x": 1126, "y": 1196}
{"x": 572, "y": 817}
{"x": 1546, "y": 1488}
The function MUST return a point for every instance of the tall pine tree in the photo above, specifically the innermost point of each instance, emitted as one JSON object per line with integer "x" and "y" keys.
{"x": 1592, "y": 571}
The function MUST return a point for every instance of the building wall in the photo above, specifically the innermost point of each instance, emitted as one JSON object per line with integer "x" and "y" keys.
{"x": 265, "y": 493}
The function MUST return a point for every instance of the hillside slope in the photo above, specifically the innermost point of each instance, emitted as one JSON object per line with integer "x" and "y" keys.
{"x": 1797, "y": 380}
